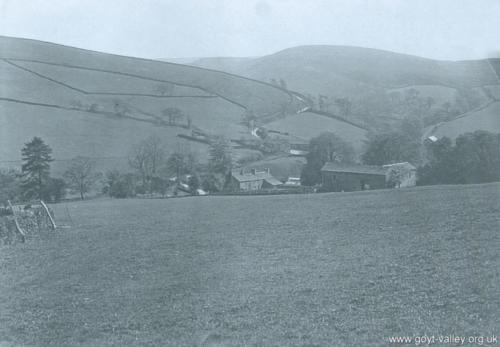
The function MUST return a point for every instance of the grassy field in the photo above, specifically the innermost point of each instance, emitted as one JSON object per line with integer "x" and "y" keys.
{"x": 57, "y": 92}
{"x": 485, "y": 119}
{"x": 308, "y": 125}
{"x": 250, "y": 93}
{"x": 317, "y": 270}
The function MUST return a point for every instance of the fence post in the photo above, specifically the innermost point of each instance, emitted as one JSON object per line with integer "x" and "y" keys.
{"x": 48, "y": 214}
{"x": 18, "y": 227}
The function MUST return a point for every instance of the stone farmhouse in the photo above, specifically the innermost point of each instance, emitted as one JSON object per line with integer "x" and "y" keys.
{"x": 242, "y": 180}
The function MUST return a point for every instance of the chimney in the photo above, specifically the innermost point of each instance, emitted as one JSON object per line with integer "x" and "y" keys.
{"x": 253, "y": 171}
{"x": 242, "y": 171}
{"x": 268, "y": 171}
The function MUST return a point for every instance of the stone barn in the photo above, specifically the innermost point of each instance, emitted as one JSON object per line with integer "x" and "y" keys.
{"x": 401, "y": 175}
{"x": 242, "y": 180}
{"x": 340, "y": 177}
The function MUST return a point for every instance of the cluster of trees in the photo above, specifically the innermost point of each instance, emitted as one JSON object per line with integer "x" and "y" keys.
{"x": 152, "y": 170}
{"x": 165, "y": 89}
{"x": 377, "y": 108}
{"x": 172, "y": 116}
{"x": 278, "y": 82}
{"x": 34, "y": 180}
{"x": 80, "y": 105}
{"x": 404, "y": 143}
{"x": 323, "y": 148}
{"x": 472, "y": 158}
{"x": 10, "y": 186}
{"x": 341, "y": 105}
{"x": 155, "y": 171}
{"x": 398, "y": 145}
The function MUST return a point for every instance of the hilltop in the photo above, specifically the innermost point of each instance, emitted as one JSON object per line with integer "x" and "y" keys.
{"x": 370, "y": 77}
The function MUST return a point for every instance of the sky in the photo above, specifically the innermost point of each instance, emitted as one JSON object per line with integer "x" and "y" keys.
{"x": 439, "y": 29}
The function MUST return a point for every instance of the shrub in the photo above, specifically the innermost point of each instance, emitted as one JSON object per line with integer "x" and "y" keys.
{"x": 119, "y": 185}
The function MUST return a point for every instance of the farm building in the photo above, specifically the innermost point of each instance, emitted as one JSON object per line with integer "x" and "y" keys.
{"x": 340, "y": 177}
{"x": 292, "y": 182}
{"x": 400, "y": 175}
{"x": 253, "y": 180}
{"x": 299, "y": 149}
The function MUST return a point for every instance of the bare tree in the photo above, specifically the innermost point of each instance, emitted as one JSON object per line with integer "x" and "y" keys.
{"x": 173, "y": 114}
{"x": 323, "y": 103}
{"x": 165, "y": 89}
{"x": 283, "y": 83}
{"x": 81, "y": 175}
{"x": 344, "y": 105}
{"x": 249, "y": 119}
{"x": 146, "y": 158}
{"x": 120, "y": 108}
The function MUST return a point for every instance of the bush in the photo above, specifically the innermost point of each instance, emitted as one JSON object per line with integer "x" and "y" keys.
{"x": 324, "y": 148}
{"x": 119, "y": 185}
{"x": 213, "y": 182}
{"x": 5, "y": 211}
{"x": 10, "y": 186}
{"x": 251, "y": 157}
{"x": 194, "y": 184}
{"x": 54, "y": 190}
{"x": 159, "y": 185}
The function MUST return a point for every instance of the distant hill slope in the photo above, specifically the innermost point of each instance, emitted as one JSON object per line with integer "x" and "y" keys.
{"x": 96, "y": 104}
{"x": 487, "y": 118}
{"x": 367, "y": 76}
{"x": 307, "y": 125}
{"x": 344, "y": 70}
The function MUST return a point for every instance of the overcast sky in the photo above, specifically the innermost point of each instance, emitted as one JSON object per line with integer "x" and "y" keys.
{"x": 442, "y": 29}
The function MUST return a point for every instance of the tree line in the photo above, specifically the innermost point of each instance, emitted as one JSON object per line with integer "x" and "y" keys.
{"x": 152, "y": 170}
{"x": 473, "y": 157}
{"x": 155, "y": 171}
{"x": 377, "y": 109}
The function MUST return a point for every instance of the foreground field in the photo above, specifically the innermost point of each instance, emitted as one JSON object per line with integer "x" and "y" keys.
{"x": 317, "y": 270}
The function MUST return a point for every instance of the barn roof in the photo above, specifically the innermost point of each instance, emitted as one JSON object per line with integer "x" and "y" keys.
{"x": 241, "y": 176}
{"x": 273, "y": 181}
{"x": 354, "y": 168}
{"x": 249, "y": 176}
{"x": 404, "y": 164}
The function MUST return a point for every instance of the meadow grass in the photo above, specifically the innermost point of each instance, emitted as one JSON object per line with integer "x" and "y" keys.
{"x": 305, "y": 270}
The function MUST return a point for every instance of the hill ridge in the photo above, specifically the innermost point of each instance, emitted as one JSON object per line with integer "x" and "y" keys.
{"x": 144, "y": 59}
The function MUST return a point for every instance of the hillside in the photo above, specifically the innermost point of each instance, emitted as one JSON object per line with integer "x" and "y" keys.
{"x": 96, "y": 104}
{"x": 100, "y": 105}
{"x": 346, "y": 70}
{"x": 306, "y": 125}
{"x": 487, "y": 118}
{"x": 369, "y": 78}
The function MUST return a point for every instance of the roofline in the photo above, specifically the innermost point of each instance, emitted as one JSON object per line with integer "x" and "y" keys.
{"x": 355, "y": 172}
{"x": 249, "y": 180}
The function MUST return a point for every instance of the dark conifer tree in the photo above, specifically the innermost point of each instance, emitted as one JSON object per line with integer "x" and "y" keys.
{"x": 36, "y": 156}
